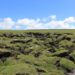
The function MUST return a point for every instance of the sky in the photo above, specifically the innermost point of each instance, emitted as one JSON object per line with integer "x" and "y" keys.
{"x": 37, "y": 14}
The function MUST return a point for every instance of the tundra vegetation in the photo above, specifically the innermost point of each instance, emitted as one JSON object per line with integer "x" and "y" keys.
{"x": 37, "y": 52}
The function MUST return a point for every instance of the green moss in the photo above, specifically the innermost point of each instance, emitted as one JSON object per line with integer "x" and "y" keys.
{"x": 73, "y": 55}
{"x": 18, "y": 68}
{"x": 59, "y": 52}
{"x": 67, "y": 64}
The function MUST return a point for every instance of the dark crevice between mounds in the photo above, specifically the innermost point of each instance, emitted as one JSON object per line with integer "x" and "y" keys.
{"x": 64, "y": 54}
{"x": 68, "y": 38}
{"x": 37, "y": 54}
{"x": 25, "y": 52}
{"x": 57, "y": 63}
{"x": 51, "y": 50}
{"x": 60, "y": 38}
{"x": 66, "y": 70}
{"x": 4, "y": 56}
{"x": 71, "y": 58}
{"x": 40, "y": 71}
{"x": 35, "y": 34}
{"x": 39, "y": 35}
{"x": 28, "y": 62}
{"x": 20, "y": 41}
{"x": 17, "y": 41}
{"x": 22, "y": 74}
{"x": 73, "y": 41}
{"x": 59, "y": 66}
{"x": 54, "y": 44}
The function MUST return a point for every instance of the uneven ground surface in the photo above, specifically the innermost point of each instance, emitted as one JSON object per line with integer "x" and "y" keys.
{"x": 73, "y": 73}
{"x": 37, "y": 52}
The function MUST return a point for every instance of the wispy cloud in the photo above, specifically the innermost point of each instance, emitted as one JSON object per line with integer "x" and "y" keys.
{"x": 53, "y": 16}
{"x": 45, "y": 23}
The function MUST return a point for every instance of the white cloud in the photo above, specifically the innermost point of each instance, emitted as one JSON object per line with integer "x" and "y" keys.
{"x": 53, "y": 17}
{"x": 69, "y": 20}
{"x": 7, "y": 23}
{"x": 26, "y": 23}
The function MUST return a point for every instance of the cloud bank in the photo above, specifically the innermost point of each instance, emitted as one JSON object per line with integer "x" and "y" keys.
{"x": 50, "y": 22}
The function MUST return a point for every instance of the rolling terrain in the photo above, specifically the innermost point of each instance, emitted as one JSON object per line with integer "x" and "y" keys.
{"x": 37, "y": 52}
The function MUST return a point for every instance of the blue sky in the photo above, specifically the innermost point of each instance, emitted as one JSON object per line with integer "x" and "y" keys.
{"x": 37, "y": 14}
